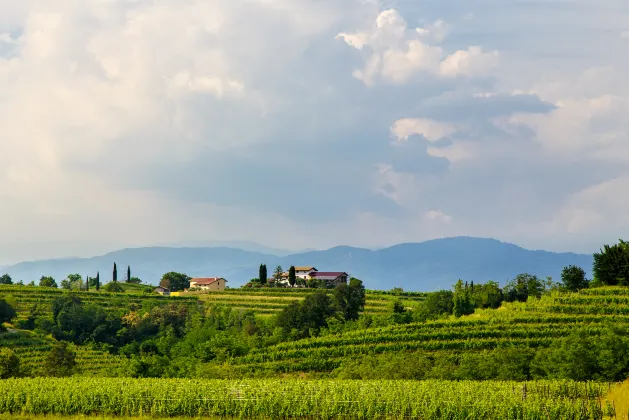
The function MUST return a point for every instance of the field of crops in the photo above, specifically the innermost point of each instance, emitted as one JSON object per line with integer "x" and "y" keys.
{"x": 307, "y": 399}
{"x": 32, "y": 350}
{"x": 532, "y": 324}
{"x": 270, "y": 301}
{"x": 22, "y": 298}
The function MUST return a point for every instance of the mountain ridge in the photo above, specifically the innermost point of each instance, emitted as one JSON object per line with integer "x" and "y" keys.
{"x": 422, "y": 266}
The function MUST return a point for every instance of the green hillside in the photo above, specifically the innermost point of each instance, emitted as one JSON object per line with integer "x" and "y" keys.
{"x": 23, "y": 298}
{"x": 268, "y": 301}
{"x": 530, "y": 325}
{"x": 32, "y": 348}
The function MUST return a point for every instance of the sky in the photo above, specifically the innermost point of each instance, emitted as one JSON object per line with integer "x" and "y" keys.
{"x": 311, "y": 123}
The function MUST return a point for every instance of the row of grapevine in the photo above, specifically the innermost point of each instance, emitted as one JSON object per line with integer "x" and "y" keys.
{"x": 265, "y": 399}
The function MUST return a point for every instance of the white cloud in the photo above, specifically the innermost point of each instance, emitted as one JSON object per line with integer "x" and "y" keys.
{"x": 435, "y": 32}
{"x": 437, "y": 216}
{"x": 399, "y": 54}
{"x": 432, "y": 130}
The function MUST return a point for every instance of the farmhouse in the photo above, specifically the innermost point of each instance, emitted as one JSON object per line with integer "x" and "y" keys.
{"x": 162, "y": 291}
{"x": 311, "y": 273}
{"x": 208, "y": 283}
{"x": 335, "y": 277}
{"x": 303, "y": 271}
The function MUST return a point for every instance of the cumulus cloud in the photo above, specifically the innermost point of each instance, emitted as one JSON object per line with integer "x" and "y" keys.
{"x": 131, "y": 123}
{"x": 398, "y": 53}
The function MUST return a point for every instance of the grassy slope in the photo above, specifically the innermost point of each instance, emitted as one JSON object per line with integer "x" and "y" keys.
{"x": 531, "y": 324}
{"x": 270, "y": 301}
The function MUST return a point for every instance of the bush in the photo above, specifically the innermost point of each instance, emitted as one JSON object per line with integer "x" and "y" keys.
{"x": 7, "y": 313}
{"x": 9, "y": 364}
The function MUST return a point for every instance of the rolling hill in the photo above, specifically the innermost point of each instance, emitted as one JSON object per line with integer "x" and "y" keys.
{"x": 425, "y": 266}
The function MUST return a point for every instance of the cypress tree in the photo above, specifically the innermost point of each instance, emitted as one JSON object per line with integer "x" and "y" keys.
{"x": 97, "y": 281}
{"x": 292, "y": 278}
{"x": 87, "y": 283}
{"x": 128, "y": 274}
{"x": 262, "y": 274}
{"x": 115, "y": 273}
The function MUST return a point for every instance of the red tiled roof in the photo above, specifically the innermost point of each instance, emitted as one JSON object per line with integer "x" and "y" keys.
{"x": 327, "y": 273}
{"x": 206, "y": 280}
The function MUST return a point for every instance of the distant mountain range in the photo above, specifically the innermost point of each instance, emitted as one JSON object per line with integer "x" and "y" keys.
{"x": 425, "y": 266}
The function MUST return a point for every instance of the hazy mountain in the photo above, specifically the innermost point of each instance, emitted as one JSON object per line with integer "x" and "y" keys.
{"x": 423, "y": 266}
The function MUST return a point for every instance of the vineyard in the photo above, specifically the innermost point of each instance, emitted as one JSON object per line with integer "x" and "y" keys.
{"x": 532, "y": 324}
{"x": 271, "y": 301}
{"x": 31, "y": 349}
{"x": 265, "y": 399}
{"x": 23, "y": 298}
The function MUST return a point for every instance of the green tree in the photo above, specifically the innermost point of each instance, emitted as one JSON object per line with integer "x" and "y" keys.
{"x": 6, "y": 279}
{"x": 47, "y": 281}
{"x": 262, "y": 274}
{"x": 292, "y": 276}
{"x": 87, "y": 283}
{"x": 437, "y": 304}
{"x": 115, "y": 273}
{"x": 523, "y": 286}
{"x": 611, "y": 265}
{"x": 60, "y": 361}
{"x": 113, "y": 287}
{"x": 9, "y": 364}
{"x": 175, "y": 282}
{"x": 97, "y": 281}
{"x": 277, "y": 273}
{"x": 462, "y": 302}
{"x": 350, "y": 299}
{"x": 573, "y": 278}
{"x": 128, "y": 274}
{"x": 7, "y": 312}
{"x": 72, "y": 282}
{"x": 135, "y": 280}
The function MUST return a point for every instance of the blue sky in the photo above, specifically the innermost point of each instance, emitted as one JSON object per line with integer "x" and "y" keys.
{"x": 311, "y": 123}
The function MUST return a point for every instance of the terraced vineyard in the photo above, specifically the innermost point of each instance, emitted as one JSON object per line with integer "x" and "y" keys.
{"x": 532, "y": 324}
{"x": 22, "y": 298}
{"x": 270, "y": 301}
{"x": 32, "y": 349}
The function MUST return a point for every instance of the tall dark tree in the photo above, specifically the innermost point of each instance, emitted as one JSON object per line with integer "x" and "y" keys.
{"x": 128, "y": 274}
{"x": 262, "y": 274}
{"x": 115, "y": 273}
{"x": 292, "y": 277}
{"x": 97, "y": 281}
{"x": 87, "y": 283}
{"x": 573, "y": 278}
{"x": 611, "y": 265}
{"x": 6, "y": 279}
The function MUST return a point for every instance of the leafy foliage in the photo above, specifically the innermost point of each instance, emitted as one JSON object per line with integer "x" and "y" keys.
{"x": 175, "y": 281}
{"x": 6, "y": 279}
{"x": 7, "y": 312}
{"x": 9, "y": 364}
{"x": 573, "y": 278}
{"x": 611, "y": 264}
{"x": 47, "y": 281}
